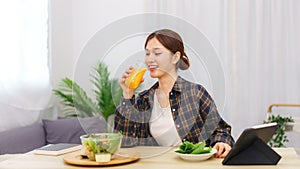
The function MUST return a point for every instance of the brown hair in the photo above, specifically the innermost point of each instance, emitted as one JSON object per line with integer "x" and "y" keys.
{"x": 173, "y": 42}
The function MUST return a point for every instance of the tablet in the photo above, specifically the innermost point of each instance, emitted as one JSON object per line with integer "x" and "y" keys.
{"x": 263, "y": 133}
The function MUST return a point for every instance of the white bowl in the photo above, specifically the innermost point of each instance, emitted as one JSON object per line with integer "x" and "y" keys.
{"x": 197, "y": 157}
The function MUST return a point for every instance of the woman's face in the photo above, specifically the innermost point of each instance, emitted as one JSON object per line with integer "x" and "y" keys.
{"x": 159, "y": 60}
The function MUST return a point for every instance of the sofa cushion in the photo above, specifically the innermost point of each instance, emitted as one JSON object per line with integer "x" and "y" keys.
{"x": 69, "y": 130}
{"x": 23, "y": 139}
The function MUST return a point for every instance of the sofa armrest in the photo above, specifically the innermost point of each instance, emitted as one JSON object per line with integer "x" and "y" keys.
{"x": 22, "y": 139}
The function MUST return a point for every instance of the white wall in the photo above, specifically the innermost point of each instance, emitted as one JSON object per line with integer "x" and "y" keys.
{"x": 61, "y": 39}
{"x": 74, "y": 22}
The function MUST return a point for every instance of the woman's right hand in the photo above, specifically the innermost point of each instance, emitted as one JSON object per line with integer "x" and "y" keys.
{"x": 127, "y": 92}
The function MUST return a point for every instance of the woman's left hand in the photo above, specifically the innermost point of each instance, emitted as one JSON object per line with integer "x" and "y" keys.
{"x": 222, "y": 149}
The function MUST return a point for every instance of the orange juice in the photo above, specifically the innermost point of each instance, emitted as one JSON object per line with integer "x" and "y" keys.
{"x": 135, "y": 77}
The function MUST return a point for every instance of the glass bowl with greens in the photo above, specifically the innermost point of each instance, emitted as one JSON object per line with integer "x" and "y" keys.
{"x": 101, "y": 143}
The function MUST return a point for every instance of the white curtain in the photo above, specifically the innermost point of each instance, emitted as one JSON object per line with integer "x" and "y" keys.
{"x": 258, "y": 45}
{"x": 25, "y": 89}
{"x": 263, "y": 57}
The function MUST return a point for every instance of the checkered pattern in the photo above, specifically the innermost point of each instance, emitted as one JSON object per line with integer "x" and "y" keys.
{"x": 194, "y": 112}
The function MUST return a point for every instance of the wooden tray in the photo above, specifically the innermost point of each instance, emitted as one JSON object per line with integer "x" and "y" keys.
{"x": 122, "y": 158}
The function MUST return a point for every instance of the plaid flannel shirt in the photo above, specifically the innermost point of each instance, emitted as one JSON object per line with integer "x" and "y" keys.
{"x": 194, "y": 113}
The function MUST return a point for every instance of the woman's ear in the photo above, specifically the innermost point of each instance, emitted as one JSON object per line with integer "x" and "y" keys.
{"x": 176, "y": 58}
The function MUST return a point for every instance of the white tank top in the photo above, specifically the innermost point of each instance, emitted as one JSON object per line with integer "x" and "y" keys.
{"x": 162, "y": 126}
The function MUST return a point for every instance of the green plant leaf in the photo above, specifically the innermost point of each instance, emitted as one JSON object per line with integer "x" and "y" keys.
{"x": 279, "y": 137}
{"x": 107, "y": 91}
{"x": 107, "y": 95}
{"x": 75, "y": 98}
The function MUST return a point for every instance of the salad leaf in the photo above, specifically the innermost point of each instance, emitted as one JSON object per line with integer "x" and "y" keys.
{"x": 187, "y": 147}
{"x": 190, "y": 148}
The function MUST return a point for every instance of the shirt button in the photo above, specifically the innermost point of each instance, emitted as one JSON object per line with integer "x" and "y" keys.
{"x": 123, "y": 103}
{"x": 171, "y": 93}
{"x": 178, "y": 126}
{"x": 173, "y": 109}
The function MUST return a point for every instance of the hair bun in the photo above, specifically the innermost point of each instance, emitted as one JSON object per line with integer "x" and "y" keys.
{"x": 184, "y": 62}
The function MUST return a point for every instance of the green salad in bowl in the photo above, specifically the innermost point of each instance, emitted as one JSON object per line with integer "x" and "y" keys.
{"x": 190, "y": 148}
{"x": 195, "y": 152}
{"x": 102, "y": 145}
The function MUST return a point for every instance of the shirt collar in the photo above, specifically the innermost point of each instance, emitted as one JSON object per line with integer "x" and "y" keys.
{"x": 178, "y": 85}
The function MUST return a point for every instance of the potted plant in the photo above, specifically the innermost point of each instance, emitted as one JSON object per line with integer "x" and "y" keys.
{"x": 77, "y": 103}
{"x": 279, "y": 137}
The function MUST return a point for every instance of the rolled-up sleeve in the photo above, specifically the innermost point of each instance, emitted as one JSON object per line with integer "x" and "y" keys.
{"x": 222, "y": 134}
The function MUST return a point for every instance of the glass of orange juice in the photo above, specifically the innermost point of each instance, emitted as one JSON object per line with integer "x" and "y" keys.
{"x": 135, "y": 77}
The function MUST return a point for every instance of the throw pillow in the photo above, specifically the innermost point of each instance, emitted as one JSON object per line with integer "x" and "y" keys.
{"x": 69, "y": 130}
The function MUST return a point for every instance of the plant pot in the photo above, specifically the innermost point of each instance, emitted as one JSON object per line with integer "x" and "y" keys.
{"x": 289, "y": 126}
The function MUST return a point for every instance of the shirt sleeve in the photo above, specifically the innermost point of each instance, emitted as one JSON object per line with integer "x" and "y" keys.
{"x": 124, "y": 121}
{"x": 222, "y": 134}
{"x": 130, "y": 119}
{"x": 208, "y": 110}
